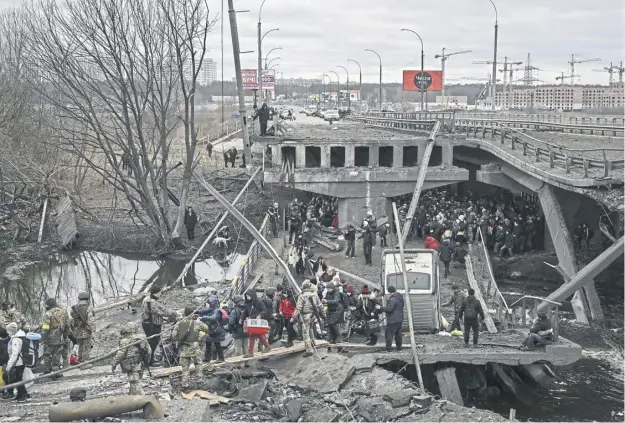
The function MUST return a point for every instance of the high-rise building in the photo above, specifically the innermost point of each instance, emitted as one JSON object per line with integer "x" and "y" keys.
{"x": 208, "y": 72}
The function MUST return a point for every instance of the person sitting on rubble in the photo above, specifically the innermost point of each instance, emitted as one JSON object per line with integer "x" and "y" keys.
{"x": 540, "y": 334}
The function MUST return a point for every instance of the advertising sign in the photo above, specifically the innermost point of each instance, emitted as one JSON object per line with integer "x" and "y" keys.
{"x": 269, "y": 79}
{"x": 431, "y": 80}
{"x": 250, "y": 80}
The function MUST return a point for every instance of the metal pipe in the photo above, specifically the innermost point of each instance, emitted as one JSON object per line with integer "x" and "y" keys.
{"x": 247, "y": 150}
{"x": 217, "y": 225}
{"x": 246, "y": 223}
{"x": 376, "y": 53}
{"x": 408, "y": 303}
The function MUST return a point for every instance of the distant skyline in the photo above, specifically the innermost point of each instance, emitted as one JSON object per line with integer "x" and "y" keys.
{"x": 318, "y": 36}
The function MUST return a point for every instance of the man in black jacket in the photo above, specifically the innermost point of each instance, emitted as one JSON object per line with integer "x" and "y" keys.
{"x": 350, "y": 237}
{"x": 471, "y": 309}
{"x": 263, "y": 117}
{"x": 444, "y": 253}
{"x": 394, "y": 318}
{"x": 367, "y": 242}
{"x": 540, "y": 334}
{"x": 335, "y": 312}
{"x": 254, "y": 309}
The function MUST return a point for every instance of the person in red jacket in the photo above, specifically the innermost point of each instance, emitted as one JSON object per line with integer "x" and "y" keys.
{"x": 287, "y": 310}
{"x": 431, "y": 243}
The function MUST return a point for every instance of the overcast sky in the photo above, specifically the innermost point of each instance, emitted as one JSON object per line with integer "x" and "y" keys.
{"x": 318, "y": 35}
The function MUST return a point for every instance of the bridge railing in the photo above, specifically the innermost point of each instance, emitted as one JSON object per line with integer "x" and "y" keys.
{"x": 527, "y": 306}
{"x": 543, "y": 117}
{"x": 239, "y": 281}
{"x": 556, "y": 155}
{"x": 538, "y": 125}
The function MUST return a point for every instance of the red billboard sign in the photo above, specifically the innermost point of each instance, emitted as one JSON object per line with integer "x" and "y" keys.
{"x": 269, "y": 79}
{"x": 430, "y": 80}
{"x": 250, "y": 79}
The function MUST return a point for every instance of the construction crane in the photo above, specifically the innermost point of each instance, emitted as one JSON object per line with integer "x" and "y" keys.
{"x": 444, "y": 58}
{"x": 610, "y": 69}
{"x": 562, "y": 77}
{"x": 572, "y": 63}
{"x": 620, "y": 70}
{"x": 488, "y": 88}
{"x": 505, "y": 71}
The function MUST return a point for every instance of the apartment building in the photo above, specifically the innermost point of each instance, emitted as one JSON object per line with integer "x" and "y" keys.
{"x": 561, "y": 97}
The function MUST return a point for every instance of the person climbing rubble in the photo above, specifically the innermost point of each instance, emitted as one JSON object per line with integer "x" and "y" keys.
{"x": 187, "y": 334}
{"x": 133, "y": 356}
{"x": 310, "y": 309}
{"x": 152, "y": 316}
{"x": 55, "y": 331}
{"x": 254, "y": 309}
{"x": 213, "y": 317}
{"x": 84, "y": 327}
{"x": 541, "y": 333}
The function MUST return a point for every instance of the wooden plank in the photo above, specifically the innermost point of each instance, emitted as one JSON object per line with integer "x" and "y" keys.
{"x": 43, "y": 221}
{"x": 488, "y": 319}
{"x": 276, "y": 352}
{"x": 448, "y": 384}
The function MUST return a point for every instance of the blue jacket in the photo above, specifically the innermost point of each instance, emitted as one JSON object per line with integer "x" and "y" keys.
{"x": 212, "y": 317}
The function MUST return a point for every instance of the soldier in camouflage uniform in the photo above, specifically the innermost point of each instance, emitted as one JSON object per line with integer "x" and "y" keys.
{"x": 10, "y": 314}
{"x": 83, "y": 323}
{"x": 188, "y": 334}
{"x": 55, "y": 331}
{"x": 134, "y": 353}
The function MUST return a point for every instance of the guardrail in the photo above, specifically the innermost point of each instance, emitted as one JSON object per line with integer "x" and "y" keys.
{"x": 556, "y": 155}
{"x": 537, "y": 125}
{"x": 543, "y": 117}
{"x": 239, "y": 282}
{"x": 395, "y": 123}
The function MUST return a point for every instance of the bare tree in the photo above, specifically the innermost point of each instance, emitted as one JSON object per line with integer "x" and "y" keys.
{"x": 111, "y": 70}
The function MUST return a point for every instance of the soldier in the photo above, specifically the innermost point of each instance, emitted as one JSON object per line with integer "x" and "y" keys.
{"x": 133, "y": 355}
{"x": 83, "y": 322}
{"x": 55, "y": 331}
{"x": 309, "y": 307}
{"x": 187, "y": 334}
{"x": 152, "y": 316}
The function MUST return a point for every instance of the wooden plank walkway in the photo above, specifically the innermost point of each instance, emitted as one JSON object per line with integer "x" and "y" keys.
{"x": 66, "y": 222}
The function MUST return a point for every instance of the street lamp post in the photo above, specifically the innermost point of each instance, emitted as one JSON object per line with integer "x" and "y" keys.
{"x": 495, "y": 55}
{"x": 323, "y": 94}
{"x": 349, "y": 95}
{"x": 376, "y": 53}
{"x": 272, "y": 59}
{"x": 267, "y": 55}
{"x": 360, "y": 75}
{"x": 422, "y": 79}
{"x": 260, "y": 55}
{"x": 338, "y": 87}
{"x": 260, "y": 69}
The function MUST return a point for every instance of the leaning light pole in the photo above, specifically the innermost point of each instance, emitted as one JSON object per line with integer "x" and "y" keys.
{"x": 376, "y": 53}
{"x": 422, "y": 79}
{"x": 349, "y": 94}
{"x": 360, "y": 76}
{"x": 247, "y": 150}
{"x": 494, "y": 82}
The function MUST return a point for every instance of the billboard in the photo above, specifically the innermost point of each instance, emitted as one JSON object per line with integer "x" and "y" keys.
{"x": 432, "y": 80}
{"x": 250, "y": 81}
{"x": 269, "y": 79}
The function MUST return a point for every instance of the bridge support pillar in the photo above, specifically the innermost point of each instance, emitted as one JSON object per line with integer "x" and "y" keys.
{"x": 325, "y": 156}
{"x": 349, "y": 155}
{"x": 448, "y": 153}
{"x": 398, "y": 156}
{"x": 354, "y": 210}
{"x": 276, "y": 156}
{"x": 585, "y": 300}
{"x": 300, "y": 156}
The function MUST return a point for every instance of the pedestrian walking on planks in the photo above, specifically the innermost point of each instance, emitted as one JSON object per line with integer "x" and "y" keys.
{"x": 471, "y": 309}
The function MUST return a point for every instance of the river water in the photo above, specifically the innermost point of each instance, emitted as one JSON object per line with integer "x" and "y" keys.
{"x": 106, "y": 276}
{"x": 590, "y": 389}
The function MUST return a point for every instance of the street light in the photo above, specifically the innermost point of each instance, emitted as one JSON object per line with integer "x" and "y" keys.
{"x": 338, "y": 87}
{"x": 349, "y": 95}
{"x": 265, "y": 34}
{"x": 376, "y": 53}
{"x": 267, "y": 55}
{"x": 323, "y": 80}
{"x": 260, "y": 54}
{"x": 422, "y": 79}
{"x": 495, "y": 54}
{"x": 360, "y": 74}
{"x": 274, "y": 58}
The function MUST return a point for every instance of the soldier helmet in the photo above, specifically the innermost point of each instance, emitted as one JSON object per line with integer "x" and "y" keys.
{"x": 83, "y": 295}
{"x": 50, "y": 303}
{"x": 129, "y": 328}
{"x": 188, "y": 311}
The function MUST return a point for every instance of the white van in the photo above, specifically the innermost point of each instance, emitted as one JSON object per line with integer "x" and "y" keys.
{"x": 423, "y": 286}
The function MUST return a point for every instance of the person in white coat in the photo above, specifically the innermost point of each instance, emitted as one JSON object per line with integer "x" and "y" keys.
{"x": 15, "y": 367}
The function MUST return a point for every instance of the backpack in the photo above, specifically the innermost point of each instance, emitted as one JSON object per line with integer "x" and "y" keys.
{"x": 225, "y": 319}
{"x": 469, "y": 310}
{"x": 30, "y": 352}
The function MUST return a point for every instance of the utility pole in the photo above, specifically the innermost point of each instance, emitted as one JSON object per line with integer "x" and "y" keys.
{"x": 444, "y": 58}
{"x": 260, "y": 57}
{"x": 247, "y": 151}
{"x": 494, "y": 83}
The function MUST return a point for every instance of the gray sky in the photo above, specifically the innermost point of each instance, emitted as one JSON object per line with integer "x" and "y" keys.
{"x": 318, "y": 35}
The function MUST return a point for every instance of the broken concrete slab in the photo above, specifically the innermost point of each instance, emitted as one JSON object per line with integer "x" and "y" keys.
{"x": 400, "y": 398}
{"x": 294, "y": 409}
{"x": 363, "y": 362}
{"x": 252, "y": 393}
{"x": 375, "y": 409}
{"x": 321, "y": 414}
{"x": 378, "y": 382}
{"x": 312, "y": 374}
